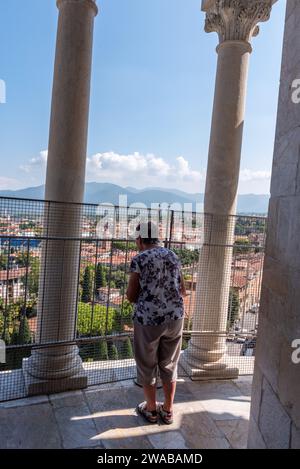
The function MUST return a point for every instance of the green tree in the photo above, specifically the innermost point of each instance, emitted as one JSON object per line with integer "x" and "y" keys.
{"x": 103, "y": 350}
{"x": 3, "y": 262}
{"x": 6, "y": 337}
{"x": 123, "y": 316}
{"x": 32, "y": 279}
{"x": 2, "y": 319}
{"x": 100, "y": 277}
{"x": 31, "y": 308}
{"x": 185, "y": 344}
{"x": 33, "y": 276}
{"x": 87, "y": 286}
{"x": 14, "y": 339}
{"x": 123, "y": 246}
{"x": 117, "y": 277}
{"x": 242, "y": 246}
{"x": 233, "y": 307}
{"x": 92, "y": 321}
{"x": 21, "y": 334}
{"x": 127, "y": 313}
{"x": 113, "y": 352}
{"x": 27, "y": 226}
{"x": 24, "y": 331}
{"x": 187, "y": 256}
{"x": 4, "y": 334}
{"x": 23, "y": 259}
{"x": 126, "y": 350}
{"x": 85, "y": 351}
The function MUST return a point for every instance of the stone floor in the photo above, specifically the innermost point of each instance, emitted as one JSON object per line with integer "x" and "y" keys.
{"x": 207, "y": 415}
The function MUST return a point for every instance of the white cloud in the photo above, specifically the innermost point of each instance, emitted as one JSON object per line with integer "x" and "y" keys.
{"x": 142, "y": 171}
{"x": 37, "y": 163}
{"x": 7, "y": 183}
{"x": 254, "y": 182}
{"x": 250, "y": 175}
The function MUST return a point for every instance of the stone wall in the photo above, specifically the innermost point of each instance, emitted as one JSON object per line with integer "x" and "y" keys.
{"x": 275, "y": 411}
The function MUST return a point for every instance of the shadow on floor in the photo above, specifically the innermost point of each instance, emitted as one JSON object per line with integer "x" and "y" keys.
{"x": 207, "y": 415}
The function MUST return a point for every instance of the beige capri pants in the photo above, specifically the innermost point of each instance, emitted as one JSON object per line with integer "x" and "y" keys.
{"x": 157, "y": 349}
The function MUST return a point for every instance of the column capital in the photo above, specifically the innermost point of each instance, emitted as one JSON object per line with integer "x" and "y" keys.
{"x": 90, "y": 3}
{"x": 236, "y": 20}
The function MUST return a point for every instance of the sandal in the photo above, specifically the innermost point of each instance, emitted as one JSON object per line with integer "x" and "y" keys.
{"x": 150, "y": 416}
{"x": 167, "y": 417}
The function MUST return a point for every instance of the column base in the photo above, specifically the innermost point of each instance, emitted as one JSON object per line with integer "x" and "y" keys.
{"x": 35, "y": 386}
{"x": 208, "y": 374}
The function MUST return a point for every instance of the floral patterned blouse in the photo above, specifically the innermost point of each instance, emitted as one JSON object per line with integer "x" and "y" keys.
{"x": 160, "y": 299}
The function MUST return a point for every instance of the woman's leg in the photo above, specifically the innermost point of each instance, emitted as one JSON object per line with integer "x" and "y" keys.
{"x": 169, "y": 352}
{"x": 150, "y": 396}
{"x": 169, "y": 392}
{"x": 146, "y": 342}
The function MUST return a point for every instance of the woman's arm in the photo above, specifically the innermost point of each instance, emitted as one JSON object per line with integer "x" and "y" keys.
{"x": 133, "y": 289}
{"x": 182, "y": 286}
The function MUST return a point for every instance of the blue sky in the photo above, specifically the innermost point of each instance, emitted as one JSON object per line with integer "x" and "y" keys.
{"x": 152, "y": 92}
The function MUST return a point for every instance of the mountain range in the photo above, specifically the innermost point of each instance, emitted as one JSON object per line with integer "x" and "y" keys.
{"x": 96, "y": 192}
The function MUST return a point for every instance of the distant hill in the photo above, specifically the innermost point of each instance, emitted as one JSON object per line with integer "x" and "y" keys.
{"x": 253, "y": 203}
{"x": 96, "y": 192}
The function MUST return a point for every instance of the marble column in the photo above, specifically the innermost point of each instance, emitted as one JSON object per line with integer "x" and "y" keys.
{"x": 236, "y": 22}
{"x": 53, "y": 368}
